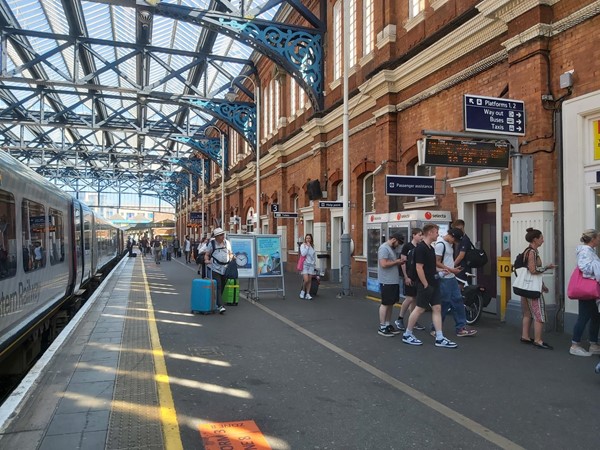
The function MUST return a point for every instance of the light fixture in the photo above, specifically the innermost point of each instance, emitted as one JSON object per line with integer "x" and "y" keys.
{"x": 231, "y": 95}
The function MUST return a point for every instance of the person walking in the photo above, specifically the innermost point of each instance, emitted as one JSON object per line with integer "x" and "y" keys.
{"x": 427, "y": 290}
{"x": 461, "y": 248}
{"x": 156, "y": 249}
{"x": 187, "y": 249}
{"x": 534, "y": 309}
{"x": 388, "y": 275}
{"x": 410, "y": 286}
{"x": 218, "y": 254}
{"x": 589, "y": 264}
{"x": 176, "y": 247}
{"x": 307, "y": 250}
{"x": 449, "y": 290}
{"x": 202, "y": 246}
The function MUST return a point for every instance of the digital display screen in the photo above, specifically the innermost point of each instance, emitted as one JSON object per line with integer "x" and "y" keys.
{"x": 448, "y": 152}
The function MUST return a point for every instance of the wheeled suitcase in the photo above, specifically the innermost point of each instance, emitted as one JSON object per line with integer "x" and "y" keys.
{"x": 204, "y": 296}
{"x": 231, "y": 294}
{"x": 314, "y": 286}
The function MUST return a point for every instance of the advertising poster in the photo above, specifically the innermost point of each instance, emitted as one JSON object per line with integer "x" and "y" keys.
{"x": 268, "y": 254}
{"x": 243, "y": 249}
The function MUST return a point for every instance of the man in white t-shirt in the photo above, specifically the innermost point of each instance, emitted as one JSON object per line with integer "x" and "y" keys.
{"x": 187, "y": 249}
{"x": 218, "y": 253}
{"x": 449, "y": 289}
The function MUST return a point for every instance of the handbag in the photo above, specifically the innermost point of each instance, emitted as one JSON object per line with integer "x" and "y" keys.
{"x": 475, "y": 257}
{"x": 581, "y": 288}
{"x": 527, "y": 284}
{"x": 231, "y": 271}
{"x": 300, "y": 264}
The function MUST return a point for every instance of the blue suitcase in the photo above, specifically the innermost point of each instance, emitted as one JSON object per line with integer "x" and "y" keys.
{"x": 204, "y": 296}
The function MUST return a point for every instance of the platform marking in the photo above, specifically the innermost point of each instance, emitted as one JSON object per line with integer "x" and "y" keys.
{"x": 239, "y": 435}
{"x": 419, "y": 396}
{"x": 168, "y": 414}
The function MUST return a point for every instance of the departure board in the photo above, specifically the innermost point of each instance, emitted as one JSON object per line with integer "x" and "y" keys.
{"x": 447, "y": 152}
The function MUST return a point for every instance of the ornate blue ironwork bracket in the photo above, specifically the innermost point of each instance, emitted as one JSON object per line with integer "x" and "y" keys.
{"x": 241, "y": 116}
{"x": 298, "y": 50}
{"x": 210, "y": 147}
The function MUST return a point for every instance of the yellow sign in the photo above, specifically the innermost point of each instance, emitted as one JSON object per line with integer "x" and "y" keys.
{"x": 504, "y": 266}
{"x": 596, "y": 125}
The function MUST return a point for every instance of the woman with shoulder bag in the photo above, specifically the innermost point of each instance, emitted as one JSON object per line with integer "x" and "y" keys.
{"x": 308, "y": 269}
{"x": 534, "y": 308}
{"x": 589, "y": 264}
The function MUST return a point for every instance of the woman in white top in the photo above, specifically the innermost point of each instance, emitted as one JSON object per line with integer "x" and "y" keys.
{"x": 308, "y": 269}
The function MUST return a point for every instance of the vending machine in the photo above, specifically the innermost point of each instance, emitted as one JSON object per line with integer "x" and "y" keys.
{"x": 380, "y": 226}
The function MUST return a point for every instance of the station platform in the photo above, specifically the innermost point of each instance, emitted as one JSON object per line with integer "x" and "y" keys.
{"x": 138, "y": 370}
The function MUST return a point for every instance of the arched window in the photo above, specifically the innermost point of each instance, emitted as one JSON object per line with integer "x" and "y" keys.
{"x": 368, "y": 26}
{"x": 296, "y": 221}
{"x": 337, "y": 40}
{"x": 368, "y": 194}
{"x": 415, "y": 7}
{"x": 353, "y": 23}
{"x": 293, "y": 91}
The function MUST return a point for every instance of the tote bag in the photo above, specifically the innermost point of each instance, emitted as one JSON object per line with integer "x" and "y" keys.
{"x": 581, "y": 288}
{"x": 300, "y": 264}
{"x": 527, "y": 285}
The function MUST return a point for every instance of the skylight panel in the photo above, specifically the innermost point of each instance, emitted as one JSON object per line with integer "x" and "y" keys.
{"x": 29, "y": 14}
{"x": 162, "y": 31}
{"x": 187, "y": 36}
{"x": 56, "y": 16}
{"x": 124, "y": 23}
{"x": 98, "y": 20}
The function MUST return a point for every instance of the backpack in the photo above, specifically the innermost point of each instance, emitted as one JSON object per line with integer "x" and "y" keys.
{"x": 520, "y": 260}
{"x": 156, "y": 244}
{"x": 475, "y": 257}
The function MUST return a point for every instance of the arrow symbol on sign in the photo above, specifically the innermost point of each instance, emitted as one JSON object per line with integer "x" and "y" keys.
{"x": 519, "y": 122}
{"x": 470, "y": 100}
{"x": 518, "y": 114}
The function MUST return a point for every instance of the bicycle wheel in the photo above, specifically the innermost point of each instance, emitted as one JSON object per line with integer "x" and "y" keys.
{"x": 473, "y": 309}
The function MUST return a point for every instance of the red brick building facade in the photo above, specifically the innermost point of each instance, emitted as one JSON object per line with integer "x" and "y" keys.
{"x": 414, "y": 61}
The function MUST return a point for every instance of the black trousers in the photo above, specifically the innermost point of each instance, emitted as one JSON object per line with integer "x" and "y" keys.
{"x": 221, "y": 282}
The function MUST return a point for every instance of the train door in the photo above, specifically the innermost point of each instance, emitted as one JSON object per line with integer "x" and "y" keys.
{"x": 78, "y": 236}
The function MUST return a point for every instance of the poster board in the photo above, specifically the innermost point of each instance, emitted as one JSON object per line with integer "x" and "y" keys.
{"x": 243, "y": 248}
{"x": 268, "y": 256}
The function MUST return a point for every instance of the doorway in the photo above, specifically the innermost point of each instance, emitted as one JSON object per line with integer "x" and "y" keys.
{"x": 485, "y": 219}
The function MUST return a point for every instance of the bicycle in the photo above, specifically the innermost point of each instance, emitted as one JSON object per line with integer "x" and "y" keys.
{"x": 475, "y": 298}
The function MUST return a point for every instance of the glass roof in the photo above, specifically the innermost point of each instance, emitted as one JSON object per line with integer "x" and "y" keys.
{"x": 136, "y": 62}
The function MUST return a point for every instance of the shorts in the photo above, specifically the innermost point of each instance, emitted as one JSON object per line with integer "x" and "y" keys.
{"x": 536, "y": 308}
{"x": 308, "y": 269}
{"x": 428, "y": 296}
{"x": 389, "y": 293}
{"x": 410, "y": 291}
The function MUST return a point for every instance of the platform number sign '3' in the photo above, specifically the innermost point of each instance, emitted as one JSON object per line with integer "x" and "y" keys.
{"x": 275, "y": 207}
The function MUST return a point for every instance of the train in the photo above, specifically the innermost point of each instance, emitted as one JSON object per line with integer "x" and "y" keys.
{"x": 52, "y": 248}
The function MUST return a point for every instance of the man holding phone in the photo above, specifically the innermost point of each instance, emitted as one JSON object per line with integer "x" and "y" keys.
{"x": 388, "y": 276}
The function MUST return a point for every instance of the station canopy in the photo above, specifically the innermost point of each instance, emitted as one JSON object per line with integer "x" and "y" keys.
{"x": 121, "y": 97}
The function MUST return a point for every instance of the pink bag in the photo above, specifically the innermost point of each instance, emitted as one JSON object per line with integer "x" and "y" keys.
{"x": 300, "y": 264}
{"x": 581, "y": 288}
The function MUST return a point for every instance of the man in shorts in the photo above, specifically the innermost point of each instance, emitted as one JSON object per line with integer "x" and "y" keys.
{"x": 388, "y": 276}
{"x": 410, "y": 286}
{"x": 427, "y": 290}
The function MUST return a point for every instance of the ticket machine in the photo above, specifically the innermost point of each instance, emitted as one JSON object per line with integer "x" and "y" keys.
{"x": 380, "y": 226}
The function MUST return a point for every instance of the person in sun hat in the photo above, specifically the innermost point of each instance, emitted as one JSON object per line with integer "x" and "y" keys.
{"x": 218, "y": 254}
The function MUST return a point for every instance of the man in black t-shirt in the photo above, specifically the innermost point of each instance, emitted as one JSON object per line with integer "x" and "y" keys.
{"x": 427, "y": 289}
{"x": 410, "y": 286}
{"x": 461, "y": 249}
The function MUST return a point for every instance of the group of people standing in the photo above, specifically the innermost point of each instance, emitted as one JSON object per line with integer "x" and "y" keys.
{"x": 432, "y": 284}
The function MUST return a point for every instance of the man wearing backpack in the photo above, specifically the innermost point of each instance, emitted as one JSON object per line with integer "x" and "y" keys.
{"x": 218, "y": 253}
{"x": 461, "y": 249}
{"x": 427, "y": 289}
{"x": 388, "y": 276}
{"x": 449, "y": 290}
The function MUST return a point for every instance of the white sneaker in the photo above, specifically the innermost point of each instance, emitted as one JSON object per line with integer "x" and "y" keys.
{"x": 579, "y": 351}
{"x": 307, "y": 297}
{"x": 594, "y": 349}
{"x": 302, "y": 293}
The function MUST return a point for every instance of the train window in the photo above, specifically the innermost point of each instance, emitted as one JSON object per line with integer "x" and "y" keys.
{"x": 56, "y": 232}
{"x": 34, "y": 235}
{"x": 78, "y": 242}
{"x": 8, "y": 235}
{"x": 87, "y": 234}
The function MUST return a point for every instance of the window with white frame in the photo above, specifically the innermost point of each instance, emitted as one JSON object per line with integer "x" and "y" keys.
{"x": 301, "y": 99}
{"x": 415, "y": 7}
{"x": 296, "y": 221}
{"x": 368, "y": 26}
{"x": 337, "y": 40}
{"x": 293, "y": 92}
{"x": 353, "y": 23}
{"x": 265, "y": 115}
{"x": 368, "y": 194}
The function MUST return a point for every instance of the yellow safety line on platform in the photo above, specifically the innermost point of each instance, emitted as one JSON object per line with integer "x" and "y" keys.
{"x": 168, "y": 414}
{"x": 419, "y": 396}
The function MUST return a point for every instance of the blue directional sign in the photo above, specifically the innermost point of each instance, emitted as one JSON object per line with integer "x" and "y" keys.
{"x": 409, "y": 185}
{"x": 494, "y": 115}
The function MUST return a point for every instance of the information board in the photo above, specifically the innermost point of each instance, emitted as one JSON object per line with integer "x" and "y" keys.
{"x": 242, "y": 247}
{"x": 448, "y": 152}
{"x": 268, "y": 256}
